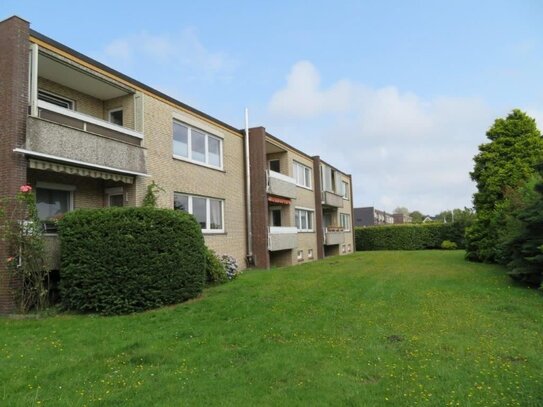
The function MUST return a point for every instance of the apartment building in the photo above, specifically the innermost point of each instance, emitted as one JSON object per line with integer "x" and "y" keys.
{"x": 302, "y": 206}
{"x": 84, "y": 136}
{"x": 369, "y": 216}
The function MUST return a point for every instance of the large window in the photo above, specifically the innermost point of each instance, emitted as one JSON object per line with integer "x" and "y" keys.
{"x": 52, "y": 202}
{"x": 209, "y": 212}
{"x": 345, "y": 221}
{"x": 304, "y": 220}
{"x": 196, "y": 145}
{"x": 302, "y": 174}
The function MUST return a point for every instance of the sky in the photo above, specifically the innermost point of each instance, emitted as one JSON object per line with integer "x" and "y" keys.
{"x": 398, "y": 94}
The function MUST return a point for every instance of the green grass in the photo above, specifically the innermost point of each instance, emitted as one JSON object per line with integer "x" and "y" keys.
{"x": 370, "y": 329}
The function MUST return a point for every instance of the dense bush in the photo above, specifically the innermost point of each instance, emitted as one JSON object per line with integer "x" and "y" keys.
{"x": 408, "y": 236}
{"x": 215, "y": 271}
{"x": 122, "y": 260}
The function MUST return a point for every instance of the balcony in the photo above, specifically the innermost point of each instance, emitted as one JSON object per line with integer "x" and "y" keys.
{"x": 331, "y": 199}
{"x": 334, "y": 236}
{"x": 282, "y": 238}
{"x": 65, "y": 135}
{"x": 281, "y": 184}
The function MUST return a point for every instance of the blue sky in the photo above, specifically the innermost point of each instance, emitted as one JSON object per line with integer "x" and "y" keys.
{"x": 398, "y": 93}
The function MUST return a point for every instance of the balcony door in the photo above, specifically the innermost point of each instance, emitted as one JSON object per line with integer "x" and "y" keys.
{"x": 275, "y": 216}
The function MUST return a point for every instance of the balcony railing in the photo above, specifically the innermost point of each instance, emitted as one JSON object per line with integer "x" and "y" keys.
{"x": 281, "y": 184}
{"x": 85, "y": 122}
{"x": 332, "y": 199}
{"x": 334, "y": 235}
{"x": 282, "y": 238}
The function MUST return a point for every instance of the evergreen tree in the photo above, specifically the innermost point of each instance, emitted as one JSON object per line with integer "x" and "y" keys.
{"x": 507, "y": 161}
{"x": 527, "y": 247}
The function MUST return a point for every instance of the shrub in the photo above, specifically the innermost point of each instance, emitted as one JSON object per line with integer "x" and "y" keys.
{"x": 230, "y": 266}
{"x": 407, "y": 237}
{"x": 215, "y": 271}
{"x": 122, "y": 260}
{"x": 448, "y": 245}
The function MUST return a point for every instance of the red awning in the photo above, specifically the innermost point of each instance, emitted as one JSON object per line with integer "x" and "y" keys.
{"x": 277, "y": 200}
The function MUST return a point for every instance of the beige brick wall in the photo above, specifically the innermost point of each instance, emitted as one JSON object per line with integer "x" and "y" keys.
{"x": 175, "y": 175}
{"x": 347, "y": 209}
{"x": 305, "y": 198}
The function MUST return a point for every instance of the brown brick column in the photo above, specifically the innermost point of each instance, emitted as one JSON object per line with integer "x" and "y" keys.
{"x": 318, "y": 206}
{"x": 14, "y": 49}
{"x": 259, "y": 196}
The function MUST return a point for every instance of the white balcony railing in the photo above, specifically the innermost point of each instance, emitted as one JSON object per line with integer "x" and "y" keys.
{"x": 280, "y": 184}
{"x": 87, "y": 119}
{"x": 282, "y": 238}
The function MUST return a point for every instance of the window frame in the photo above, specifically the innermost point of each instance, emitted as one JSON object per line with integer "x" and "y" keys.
{"x": 307, "y": 176}
{"x": 60, "y": 98}
{"x": 207, "y": 135}
{"x": 345, "y": 225}
{"x": 297, "y": 219}
{"x": 345, "y": 190}
{"x": 49, "y": 227}
{"x": 207, "y": 229}
{"x": 117, "y": 109}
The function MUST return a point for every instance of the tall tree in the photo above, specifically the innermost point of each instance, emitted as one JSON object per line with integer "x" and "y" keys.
{"x": 402, "y": 209}
{"x": 506, "y": 162}
{"x": 526, "y": 248}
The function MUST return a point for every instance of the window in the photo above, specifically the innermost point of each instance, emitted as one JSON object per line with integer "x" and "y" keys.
{"x": 345, "y": 221}
{"x": 275, "y": 216}
{"x": 343, "y": 248}
{"x": 349, "y": 248}
{"x": 196, "y": 145}
{"x": 55, "y": 99}
{"x": 115, "y": 196}
{"x": 304, "y": 220}
{"x": 302, "y": 174}
{"x": 274, "y": 165}
{"x": 345, "y": 190}
{"x": 309, "y": 253}
{"x": 116, "y": 116}
{"x": 52, "y": 202}
{"x": 300, "y": 255}
{"x": 209, "y": 212}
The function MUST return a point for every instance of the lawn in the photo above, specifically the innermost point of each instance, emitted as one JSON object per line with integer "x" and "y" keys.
{"x": 369, "y": 329}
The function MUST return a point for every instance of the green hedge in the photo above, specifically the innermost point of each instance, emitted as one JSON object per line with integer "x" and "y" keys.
{"x": 408, "y": 237}
{"x": 122, "y": 260}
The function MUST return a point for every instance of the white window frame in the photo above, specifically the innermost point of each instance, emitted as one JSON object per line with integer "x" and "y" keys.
{"x": 345, "y": 190}
{"x": 58, "y": 187}
{"x": 58, "y": 97}
{"x": 114, "y": 191}
{"x": 309, "y": 253}
{"x": 207, "y": 229}
{"x": 310, "y": 213}
{"x": 307, "y": 179}
{"x": 300, "y": 255}
{"x": 345, "y": 221}
{"x": 189, "y": 146}
{"x": 117, "y": 109}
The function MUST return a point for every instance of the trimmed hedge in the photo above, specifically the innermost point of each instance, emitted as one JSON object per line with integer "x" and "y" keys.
{"x": 123, "y": 260}
{"x": 408, "y": 237}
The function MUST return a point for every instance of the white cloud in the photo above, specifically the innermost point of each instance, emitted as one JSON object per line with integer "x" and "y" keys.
{"x": 182, "y": 54}
{"x": 402, "y": 149}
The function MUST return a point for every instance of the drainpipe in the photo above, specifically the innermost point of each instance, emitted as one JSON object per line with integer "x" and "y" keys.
{"x": 250, "y": 259}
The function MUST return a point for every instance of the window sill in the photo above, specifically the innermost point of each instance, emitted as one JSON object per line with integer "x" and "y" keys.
{"x": 188, "y": 160}
{"x": 211, "y": 233}
{"x": 304, "y": 187}
{"x": 306, "y": 231}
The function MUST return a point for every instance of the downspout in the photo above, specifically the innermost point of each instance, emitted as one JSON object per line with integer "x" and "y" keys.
{"x": 249, "y": 258}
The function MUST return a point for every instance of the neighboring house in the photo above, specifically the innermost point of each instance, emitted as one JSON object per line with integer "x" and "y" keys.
{"x": 85, "y": 136}
{"x": 428, "y": 219}
{"x": 400, "y": 218}
{"x": 369, "y": 216}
